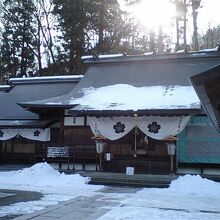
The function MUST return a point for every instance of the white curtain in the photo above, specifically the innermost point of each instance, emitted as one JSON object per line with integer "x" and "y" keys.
{"x": 112, "y": 128}
{"x": 32, "y": 134}
{"x": 159, "y": 128}
{"x": 155, "y": 127}
{"x": 36, "y": 134}
{"x": 6, "y": 134}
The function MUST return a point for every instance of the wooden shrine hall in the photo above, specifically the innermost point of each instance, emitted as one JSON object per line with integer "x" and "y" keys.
{"x": 144, "y": 108}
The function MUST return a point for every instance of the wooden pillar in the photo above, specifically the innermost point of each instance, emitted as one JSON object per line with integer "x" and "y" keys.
{"x": 1, "y": 151}
{"x": 61, "y": 134}
{"x": 12, "y": 144}
{"x": 61, "y": 129}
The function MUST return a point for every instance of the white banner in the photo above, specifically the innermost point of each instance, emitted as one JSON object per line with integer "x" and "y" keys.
{"x": 155, "y": 127}
{"x": 32, "y": 134}
{"x": 6, "y": 134}
{"x": 159, "y": 128}
{"x": 112, "y": 128}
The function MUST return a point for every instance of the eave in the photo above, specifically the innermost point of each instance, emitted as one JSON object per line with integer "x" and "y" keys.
{"x": 147, "y": 112}
{"x": 12, "y": 124}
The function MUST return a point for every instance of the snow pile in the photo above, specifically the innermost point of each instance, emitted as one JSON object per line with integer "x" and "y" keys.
{"x": 189, "y": 197}
{"x": 42, "y": 177}
{"x": 128, "y": 97}
{"x": 195, "y": 184}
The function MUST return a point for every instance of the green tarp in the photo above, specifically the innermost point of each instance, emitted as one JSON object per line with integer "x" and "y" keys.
{"x": 199, "y": 142}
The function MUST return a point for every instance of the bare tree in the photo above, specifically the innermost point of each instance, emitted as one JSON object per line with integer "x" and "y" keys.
{"x": 43, "y": 21}
{"x": 195, "y": 4}
{"x": 181, "y": 17}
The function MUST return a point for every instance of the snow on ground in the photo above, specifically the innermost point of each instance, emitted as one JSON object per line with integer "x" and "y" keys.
{"x": 188, "y": 197}
{"x": 43, "y": 178}
{"x": 54, "y": 186}
{"x": 128, "y": 97}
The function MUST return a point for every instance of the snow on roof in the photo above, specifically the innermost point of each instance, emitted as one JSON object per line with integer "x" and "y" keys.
{"x": 180, "y": 51}
{"x": 128, "y": 97}
{"x": 145, "y": 54}
{"x": 54, "y": 103}
{"x": 148, "y": 53}
{"x": 200, "y": 52}
{"x": 4, "y": 86}
{"x": 102, "y": 56}
{"x": 210, "y": 49}
{"x": 65, "y": 77}
{"x": 204, "y": 51}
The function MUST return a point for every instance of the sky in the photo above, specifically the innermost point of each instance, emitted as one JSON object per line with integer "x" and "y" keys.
{"x": 209, "y": 14}
{"x": 190, "y": 197}
{"x": 152, "y": 13}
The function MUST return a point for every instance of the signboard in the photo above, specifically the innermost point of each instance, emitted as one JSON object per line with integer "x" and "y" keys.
{"x": 54, "y": 152}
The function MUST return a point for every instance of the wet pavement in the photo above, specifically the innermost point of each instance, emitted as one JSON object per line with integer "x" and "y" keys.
{"x": 83, "y": 208}
{"x": 8, "y": 197}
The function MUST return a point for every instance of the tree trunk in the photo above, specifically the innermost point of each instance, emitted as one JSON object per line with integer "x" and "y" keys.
{"x": 101, "y": 28}
{"x": 195, "y": 34}
{"x": 184, "y": 26}
{"x": 177, "y": 35}
{"x": 39, "y": 51}
{"x": 152, "y": 42}
{"x": 22, "y": 64}
{"x": 195, "y": 6}
{"x": 160, "y": 40}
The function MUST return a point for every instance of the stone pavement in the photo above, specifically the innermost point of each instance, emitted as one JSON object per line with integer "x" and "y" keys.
{"x": 8, "y": 197}
{"x": 83, "y": 208}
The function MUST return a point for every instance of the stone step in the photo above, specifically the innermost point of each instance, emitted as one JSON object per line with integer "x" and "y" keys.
{"x": 150, "y": 181}
{"x": 138, "y": 180}
{"x": 125, "y": 183}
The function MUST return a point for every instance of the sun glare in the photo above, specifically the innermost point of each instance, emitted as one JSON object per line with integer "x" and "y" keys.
{"x": 153, "y": 13}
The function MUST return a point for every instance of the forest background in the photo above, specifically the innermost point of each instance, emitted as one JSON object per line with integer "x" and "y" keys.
{"x": 49, "y": 37}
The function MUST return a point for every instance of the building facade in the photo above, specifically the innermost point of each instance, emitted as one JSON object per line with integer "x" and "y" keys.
{"x": 143, "y": 107}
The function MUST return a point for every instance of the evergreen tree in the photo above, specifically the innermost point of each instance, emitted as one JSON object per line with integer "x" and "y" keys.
{"x": 98, "y": 26}
{"x": 211, "y": 38}
{"x": 72, "y": 22}
{"x": 109, "y": 24}
{"x": 17, "y": 41}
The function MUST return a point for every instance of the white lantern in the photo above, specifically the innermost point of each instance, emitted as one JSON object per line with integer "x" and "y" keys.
{"x": 99, "y": 146}
{"x": 171, "y": 148}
